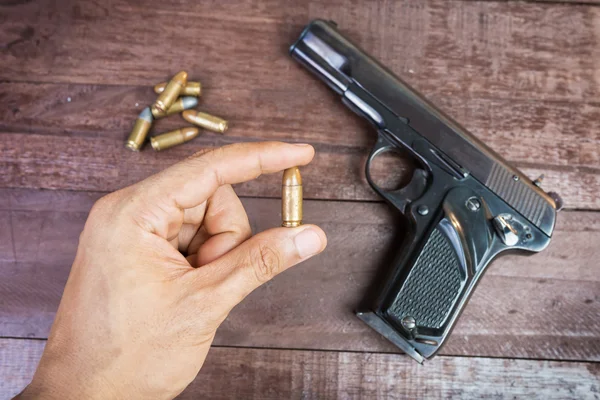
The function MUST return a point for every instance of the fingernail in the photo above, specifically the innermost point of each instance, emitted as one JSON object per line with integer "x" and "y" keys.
{"x": 308, "y": 243}
{"x": 301, "y": 144}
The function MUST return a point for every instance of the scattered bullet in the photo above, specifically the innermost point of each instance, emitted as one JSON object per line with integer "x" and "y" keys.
{"x": 205, "y": 120}
{"x": 291, "y": 198}
{"x": 169, "y": 94}
{"x": 190, "y": 89}
{"x": 183, "y": 103}
{"x": 170, "y": 139}
{"x": 140, "y": 130}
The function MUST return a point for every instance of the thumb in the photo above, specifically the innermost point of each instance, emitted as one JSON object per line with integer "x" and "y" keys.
{"x": 262, "y": 257}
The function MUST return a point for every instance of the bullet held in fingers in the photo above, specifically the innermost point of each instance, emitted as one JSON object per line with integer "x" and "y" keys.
{"x": 169, "y": 94}
{"x": 291, "y": 198}
{"x": 170, "y": 139}
{"x": 190, "y": 89}
{"x": 140, "y": 130}
{"x": 206, "y": 121}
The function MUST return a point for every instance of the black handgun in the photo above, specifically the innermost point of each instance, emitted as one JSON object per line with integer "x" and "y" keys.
{"x": 465, "y": 204}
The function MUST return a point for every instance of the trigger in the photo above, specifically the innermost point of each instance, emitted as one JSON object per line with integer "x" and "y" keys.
{"x": 411, "y": 192}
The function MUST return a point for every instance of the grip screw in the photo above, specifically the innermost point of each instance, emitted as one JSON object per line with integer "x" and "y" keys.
{"x": 423, "y": 210}
{"x": 409, "y": 322}
{"x": 473, "y": 204}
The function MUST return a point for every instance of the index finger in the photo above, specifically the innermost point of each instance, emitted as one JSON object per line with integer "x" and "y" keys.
{"x": 192, "y": 181}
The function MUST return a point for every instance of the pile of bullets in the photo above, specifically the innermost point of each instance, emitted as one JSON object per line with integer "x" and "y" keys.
{"x": 167, "y": 103}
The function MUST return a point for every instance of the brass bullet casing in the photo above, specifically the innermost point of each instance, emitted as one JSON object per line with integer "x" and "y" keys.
{"x": 205, "y": 121}
{"x": 291, "y": 198}
{"x": 140, "y": 130}
{"x": 167, "y": 140}
{"x": 170, "y": 94}
{"x": 190, "y": 89}
{"x": 182, "y": 104}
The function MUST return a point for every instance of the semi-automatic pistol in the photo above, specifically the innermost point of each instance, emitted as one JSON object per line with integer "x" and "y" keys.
{"x": 464, "y": 203}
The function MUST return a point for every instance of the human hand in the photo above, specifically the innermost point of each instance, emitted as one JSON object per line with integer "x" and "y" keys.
{"x": 137, "y": 316}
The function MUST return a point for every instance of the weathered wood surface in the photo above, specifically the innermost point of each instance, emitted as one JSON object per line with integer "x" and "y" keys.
{"x": 48, "y": 142}
{"x": 544, "y": 306}
{"x": 486, "y": 63}
{"x": 237, "y": 373}
{"x": 522, "y": 76}
{"x": 499, "y": 49}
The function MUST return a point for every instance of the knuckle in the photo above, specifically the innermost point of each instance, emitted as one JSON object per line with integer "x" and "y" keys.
{"x": 117, "y": 206}
{"x": 200, "y": 154}
{"x": 205, "y": 160}
{"x": 206, "y": 156}
{"x": 267, "y": 263}
{"x": 103, "y": 206}
{"x": 245, "y": 231}
{"x": 102, "y": 214}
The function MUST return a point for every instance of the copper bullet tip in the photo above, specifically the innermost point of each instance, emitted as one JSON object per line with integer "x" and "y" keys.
{"x": 181, "y": 76}
{"x": 189, "y": 133}
{"x": 292, "y": 177}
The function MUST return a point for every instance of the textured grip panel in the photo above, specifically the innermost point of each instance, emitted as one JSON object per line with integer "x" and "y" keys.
{"x": 516, "y": 193}
{"x": 432, "y": 285}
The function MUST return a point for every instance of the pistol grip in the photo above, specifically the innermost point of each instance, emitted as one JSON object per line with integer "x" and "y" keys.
{"x": 435, "y": 275}
{"x": 432, "y": 285}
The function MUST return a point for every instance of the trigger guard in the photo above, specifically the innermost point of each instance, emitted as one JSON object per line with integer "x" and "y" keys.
{"x": 381, "y": 146}
{"x": 402, "y": 197}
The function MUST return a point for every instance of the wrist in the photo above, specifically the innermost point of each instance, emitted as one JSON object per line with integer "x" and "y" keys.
{"x": 34, "y": 391}
{"x": 39, "y": 390}
{"x": 54, "y": 379}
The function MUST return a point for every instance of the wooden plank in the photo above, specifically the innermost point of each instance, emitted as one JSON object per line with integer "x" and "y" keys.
{"x": 544, "y": 306}
{"x": 72, "y": 145}
{"x": 489, "y": 40}
{"x": 98, "y": 164}
{"x": 566, "y": 2}
{"x": 502, "y": 49}
{"x": 234, "y": 373}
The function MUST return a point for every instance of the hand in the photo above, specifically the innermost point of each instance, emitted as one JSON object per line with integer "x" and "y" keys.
{"x": 137, "y": 316}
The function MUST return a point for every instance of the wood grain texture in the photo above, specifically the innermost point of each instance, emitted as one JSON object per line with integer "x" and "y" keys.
{"x": 485, "y": 63}
{"x": 236, "y": 373}
{"x": 543, "y": 306}
{"x": 564, "y": 2}
{"x": 49, "y": 142}
{"x": 522, "y": 76}
{"x": 98, "y": 164}
{"x": 499, "y": 49}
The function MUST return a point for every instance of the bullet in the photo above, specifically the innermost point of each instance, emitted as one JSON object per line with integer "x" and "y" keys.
{"x": 140, "y": 130}
{"x": 167, "y": 140}
{"x": 291, "y": 198}
{"x": 190, "y": 89}
{"x": 183, "y": 103}
{"x": 205, "y": 121}
{"x": 170, "y": 94}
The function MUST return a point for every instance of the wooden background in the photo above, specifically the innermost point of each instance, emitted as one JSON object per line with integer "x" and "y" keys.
{"x": 523, "y": 76}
